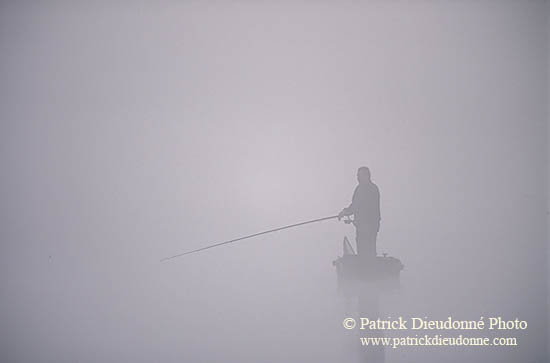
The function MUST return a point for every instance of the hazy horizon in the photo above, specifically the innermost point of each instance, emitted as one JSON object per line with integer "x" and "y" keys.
{"x": 135, "y": 131}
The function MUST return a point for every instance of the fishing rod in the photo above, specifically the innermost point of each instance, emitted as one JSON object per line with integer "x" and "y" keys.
{"x": 250, "y": 236}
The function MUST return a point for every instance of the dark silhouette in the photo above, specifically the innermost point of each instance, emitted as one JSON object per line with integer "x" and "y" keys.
{"x": 365, "y": 208}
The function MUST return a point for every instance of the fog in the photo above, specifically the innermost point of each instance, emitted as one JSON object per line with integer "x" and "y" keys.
{"x": 135, "y": 131}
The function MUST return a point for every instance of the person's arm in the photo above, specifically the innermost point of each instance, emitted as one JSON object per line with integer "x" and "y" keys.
{"x": 346, "y": 212}
{"x": 378, "y": 204}
{"x": 350, "y": 210}
{"x": 377, "y": 201}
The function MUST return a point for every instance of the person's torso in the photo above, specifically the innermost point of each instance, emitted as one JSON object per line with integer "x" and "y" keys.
{"x": 366, "y": 200}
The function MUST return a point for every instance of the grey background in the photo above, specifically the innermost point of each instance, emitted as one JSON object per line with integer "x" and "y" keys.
{"x": 134, "y": 131}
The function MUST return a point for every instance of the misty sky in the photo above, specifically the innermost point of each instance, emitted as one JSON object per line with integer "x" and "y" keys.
{"x": 134, "y": 131}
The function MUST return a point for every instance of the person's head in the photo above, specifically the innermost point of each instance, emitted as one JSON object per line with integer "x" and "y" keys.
{"x": 363, "y": 175}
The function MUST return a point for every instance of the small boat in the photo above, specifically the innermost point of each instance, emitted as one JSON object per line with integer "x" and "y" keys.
{"x": 355, "y": 273}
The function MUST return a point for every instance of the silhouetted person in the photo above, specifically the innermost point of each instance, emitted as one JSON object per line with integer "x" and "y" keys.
{"x": 365, "y": 207}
